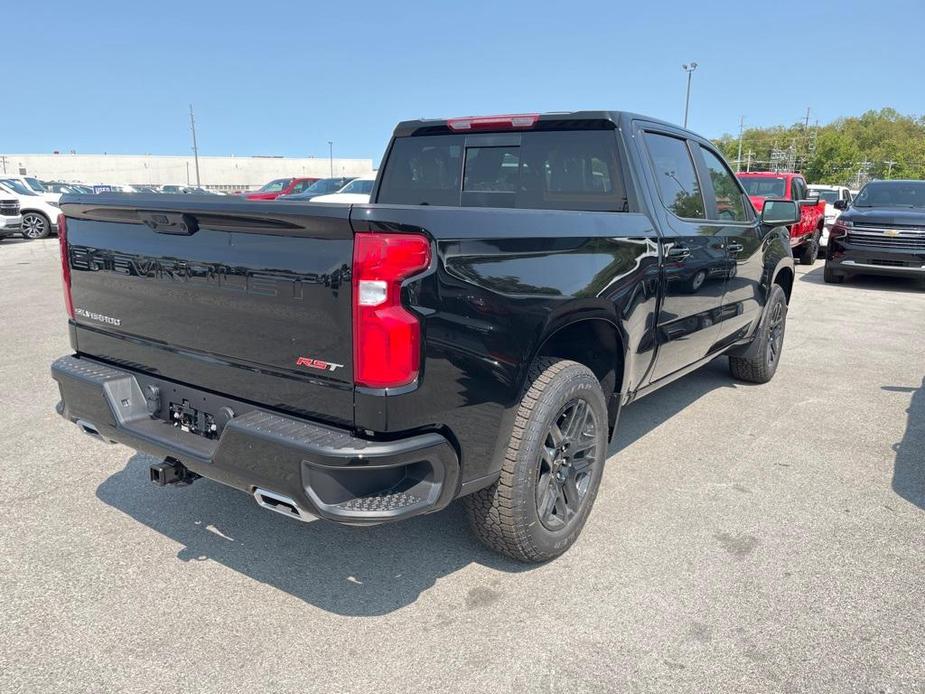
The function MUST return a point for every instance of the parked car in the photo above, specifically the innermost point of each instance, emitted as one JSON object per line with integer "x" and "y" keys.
{"x": 357, "y": 191}
{"x": 10, "y": 215}
{"x": 39, "y": 215}
{"x": 323, "y": 186}
{"x": 882, "y": 232}
{"x": 467, "y": 335}
{"x": 829, "y": 195}
{"x": 280, "y": 186}
{"x": 806, "y": 234}
{"x": 60, "y": 188}
{"x": 34, "y": 185}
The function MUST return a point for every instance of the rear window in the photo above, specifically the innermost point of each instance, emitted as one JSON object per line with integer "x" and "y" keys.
{"x": 552, "y": 170}
{"x": 764, "y": 186}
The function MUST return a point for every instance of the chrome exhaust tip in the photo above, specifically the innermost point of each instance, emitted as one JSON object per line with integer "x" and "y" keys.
{"x": 90, "y": 430}
{"x": 282, "y": 504}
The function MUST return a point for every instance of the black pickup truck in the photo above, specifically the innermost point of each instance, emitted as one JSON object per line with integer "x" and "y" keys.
{"x": 472, "y": 332}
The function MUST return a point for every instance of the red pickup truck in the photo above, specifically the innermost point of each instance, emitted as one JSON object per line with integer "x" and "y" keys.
{"x": 805, "y": 234}
{"x": 279, "y": 186}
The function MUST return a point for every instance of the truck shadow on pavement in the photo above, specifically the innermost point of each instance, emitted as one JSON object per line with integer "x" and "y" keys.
{"x": 344, "y": 570}
{"x": 639, "y": 418}
{"x": 909, "y": 466}
{"x": 877, "y": 283}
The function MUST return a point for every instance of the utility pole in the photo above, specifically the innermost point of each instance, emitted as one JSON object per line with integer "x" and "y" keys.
{"x": 192, "y": 125}
{"x": 689, "y": 69}
{"x": 748, "y": 167}
{"x": 3, "y": 159}
{"x": 889, "y": 173}
{"x": 806, "y": 120}
{"x": 331, "y": 156}
{"x": 741, "y": 130}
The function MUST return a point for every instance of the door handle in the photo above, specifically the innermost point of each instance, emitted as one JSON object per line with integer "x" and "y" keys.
{"x": 735, "y": 247}
{"x": 678, "y": 252}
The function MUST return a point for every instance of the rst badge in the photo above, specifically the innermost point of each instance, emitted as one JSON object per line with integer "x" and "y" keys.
{"x": 318, "y": 364}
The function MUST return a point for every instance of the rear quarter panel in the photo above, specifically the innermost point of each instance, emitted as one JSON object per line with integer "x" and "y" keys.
{"x": 501, "y": 282}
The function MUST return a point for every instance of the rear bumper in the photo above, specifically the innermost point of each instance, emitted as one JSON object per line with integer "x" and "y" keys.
{"x": 326, "y": 472}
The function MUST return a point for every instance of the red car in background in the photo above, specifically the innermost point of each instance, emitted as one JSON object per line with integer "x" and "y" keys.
{"x": 805, "y": 234}
{"x": 279, "y": 186}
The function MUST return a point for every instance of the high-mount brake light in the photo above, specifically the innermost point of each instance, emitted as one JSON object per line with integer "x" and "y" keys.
{"x": 386, "y": 336}
{"x": 65, "y": 264}
{"x": 505, "y": 122}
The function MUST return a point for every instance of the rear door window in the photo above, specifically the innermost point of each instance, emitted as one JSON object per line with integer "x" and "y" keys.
{"x": 557, "y": 170}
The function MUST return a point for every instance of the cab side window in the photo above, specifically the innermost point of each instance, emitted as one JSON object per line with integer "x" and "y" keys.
{"x": 798, "y": 189}
{"x": 730, "y": 201}
{"x": 675, "y": 175}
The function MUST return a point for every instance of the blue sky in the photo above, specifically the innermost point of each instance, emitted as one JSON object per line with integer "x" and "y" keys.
{"x": 284, "y": 78}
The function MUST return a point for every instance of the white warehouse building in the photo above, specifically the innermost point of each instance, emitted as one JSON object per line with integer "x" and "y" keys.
{"x": 215, "y": 173}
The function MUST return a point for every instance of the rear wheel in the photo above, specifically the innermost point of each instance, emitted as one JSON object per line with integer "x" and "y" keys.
{"x": 35, "y": 225}
{"x": 810, "y": 250}
{"x": 762, "y": 365}
{"x": 552, "y": 467}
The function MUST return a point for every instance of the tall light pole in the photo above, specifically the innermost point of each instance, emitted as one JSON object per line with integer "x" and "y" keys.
{"x": 331, "y": 156}
{"x": 192, "y": 125}
{"x": 689, "y": 69}
{"x": 741, "y": 130}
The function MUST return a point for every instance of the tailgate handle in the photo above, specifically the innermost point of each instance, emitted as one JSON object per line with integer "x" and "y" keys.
{"x": 177, "y": 223}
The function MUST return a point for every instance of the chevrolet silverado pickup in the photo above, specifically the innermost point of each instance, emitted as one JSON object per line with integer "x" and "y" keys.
{"x": 881, "y": 232}
{"x": 806, "y": 234}
{"x": 473, "y": 332}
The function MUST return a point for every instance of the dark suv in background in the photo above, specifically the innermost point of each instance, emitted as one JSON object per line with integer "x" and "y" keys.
{"x": 882, "y": 232}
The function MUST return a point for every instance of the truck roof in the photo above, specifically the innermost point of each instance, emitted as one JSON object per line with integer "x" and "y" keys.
{"x": 521, "y": 121}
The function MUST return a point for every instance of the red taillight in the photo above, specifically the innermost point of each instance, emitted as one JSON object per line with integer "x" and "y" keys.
{"x": 520, "y": 120}
{"x": 386, "y": 336}
{"x": 65, "y": 264}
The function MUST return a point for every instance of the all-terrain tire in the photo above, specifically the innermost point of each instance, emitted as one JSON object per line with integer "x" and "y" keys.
{"x": 762, "y": 365}
{"x": 505, "y": 516}
{"x": 832, "y": 277}
{"x": 810, "y": 250}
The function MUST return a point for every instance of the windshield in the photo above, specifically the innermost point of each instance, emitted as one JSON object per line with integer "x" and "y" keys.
{"x": 17, "y": 186}
{"x": 276, "y": 186}
{"x": 326, "y": 185}
{"x": 36, "y": 185}
{"x": 363, "y": 187}
{"x": 765, "y": 187}
{"x": 829, "y": 196}
{"x": 892, "y": 194}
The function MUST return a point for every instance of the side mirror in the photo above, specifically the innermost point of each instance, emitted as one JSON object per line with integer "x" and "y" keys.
{"x": 840, "y": 204}
{"x": 780, "y": 212}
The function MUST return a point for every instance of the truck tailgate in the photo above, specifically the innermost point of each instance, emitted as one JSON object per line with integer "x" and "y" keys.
{"x": 232, "y": 296}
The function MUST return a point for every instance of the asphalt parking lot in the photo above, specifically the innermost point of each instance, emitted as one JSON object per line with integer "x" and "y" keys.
{"x": 746, "y": 538}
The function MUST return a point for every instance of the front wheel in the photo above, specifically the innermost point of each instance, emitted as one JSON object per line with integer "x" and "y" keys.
{"x": 832, "y": 277}
{"x": 552, "y": 467}
{"x": 762, "y": 365}
{"x": 35, "y": 225}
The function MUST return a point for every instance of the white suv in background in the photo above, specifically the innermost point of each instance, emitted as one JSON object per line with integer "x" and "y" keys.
{"x": 831, "y": 194}
{"x": 35, "y": 185}
{"x": 357, "y": 191}
{"x": 39, "y": 216}
{"x": 10, "y": 217}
